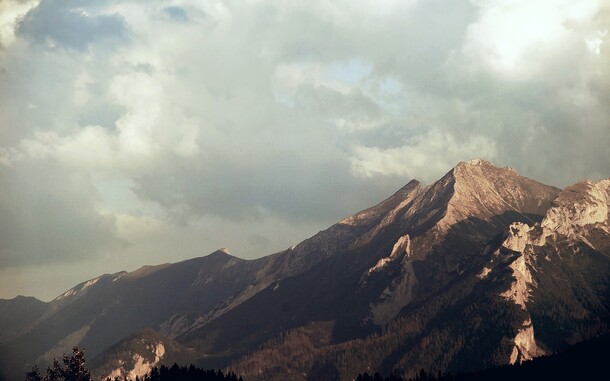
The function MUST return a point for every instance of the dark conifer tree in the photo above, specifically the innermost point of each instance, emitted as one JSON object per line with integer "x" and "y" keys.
{"x": 54, "y": 372}
{"x": 74, "y": 366}
{"x": 33, "y": 374}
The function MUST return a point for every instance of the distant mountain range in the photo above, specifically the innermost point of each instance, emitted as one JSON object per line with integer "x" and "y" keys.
{"x": 484, "y": 267}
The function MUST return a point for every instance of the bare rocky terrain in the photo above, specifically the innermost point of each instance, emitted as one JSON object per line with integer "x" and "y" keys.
{"x": 484, "y": 267}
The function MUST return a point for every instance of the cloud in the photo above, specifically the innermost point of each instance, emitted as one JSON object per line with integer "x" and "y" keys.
{"x": 495, "y": 44}
{"x": 415, "y": 157}
{"x": 176, "y": 13}
{"x": 71, "y": 25}
{"x": 537, "y": 87}
{"x": 147, "y": 132}
{"x": 261, "y": 242}
{"x": 49, "y": 215}
{"x": 11, "y": 12}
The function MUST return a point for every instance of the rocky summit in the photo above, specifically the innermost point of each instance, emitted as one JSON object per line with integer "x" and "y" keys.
{"x": 484, "y": 267}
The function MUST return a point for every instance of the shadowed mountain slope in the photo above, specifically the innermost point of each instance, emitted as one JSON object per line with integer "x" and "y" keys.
{"x": 483, "y": 267}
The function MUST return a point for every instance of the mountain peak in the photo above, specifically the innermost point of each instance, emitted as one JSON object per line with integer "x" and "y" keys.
{"x": 482, "y": 167}
{"x": 580, "y": 204}
{"x": 422, "y": 260}
{"x": 481, "y": 189}
{"x": 399, "y": 199}
{"x": 476, "y": 161}
{"x": 84, "y": 287}
{"x": 221, "y": 254}
{"x": 146, "y": 270}
{"x": 223, "y": 251}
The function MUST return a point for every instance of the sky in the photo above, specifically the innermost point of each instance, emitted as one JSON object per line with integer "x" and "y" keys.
{"x": 138, "y": 132}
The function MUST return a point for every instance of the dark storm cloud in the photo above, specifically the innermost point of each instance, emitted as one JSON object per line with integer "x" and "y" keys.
{"x": 295, "y": 188}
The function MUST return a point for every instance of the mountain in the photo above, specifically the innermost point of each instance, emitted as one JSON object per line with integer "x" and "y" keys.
{"x": 484, "y": 267}
{"x": 583, "y": 361}
{"x": 138, "y": 354}
{"x": 17, "y": 314}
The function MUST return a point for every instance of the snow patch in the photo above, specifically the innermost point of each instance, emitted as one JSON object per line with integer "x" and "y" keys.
{"x": 82, "y": 288}
{"x": 90, "y": 283}
{"x": 66, "y": 294}
{"x": 78, "y": 289}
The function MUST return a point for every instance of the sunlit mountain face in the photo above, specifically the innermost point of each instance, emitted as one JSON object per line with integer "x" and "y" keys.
{"x": 483, "y": 267}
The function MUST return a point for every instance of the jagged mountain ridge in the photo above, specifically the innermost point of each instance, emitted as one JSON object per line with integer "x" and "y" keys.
{"x": 407, "y": 276}
{"x": 423, "y": 213}
{"x": 506, "y": 288}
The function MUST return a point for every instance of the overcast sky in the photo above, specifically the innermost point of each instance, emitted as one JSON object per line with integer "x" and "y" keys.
{"x": 140, "y": 132}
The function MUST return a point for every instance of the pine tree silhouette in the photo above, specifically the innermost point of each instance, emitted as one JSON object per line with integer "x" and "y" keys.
{"x": 72, "y": 369}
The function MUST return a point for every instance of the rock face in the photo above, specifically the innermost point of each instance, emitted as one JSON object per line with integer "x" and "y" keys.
{"x": 571, "y": 237}
{"x": 525, "y": 347}
{"x": 482, "y": 267}
{"x": 136, "y": 355}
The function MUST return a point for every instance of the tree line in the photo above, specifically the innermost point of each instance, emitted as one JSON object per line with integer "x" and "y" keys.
{"x": 73, "y": 368}
{"x": 182, "y": 373}
{"x": 583, "y": 361}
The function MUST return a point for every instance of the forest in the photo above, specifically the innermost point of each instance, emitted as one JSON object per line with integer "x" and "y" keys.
{"x": 583, "y": 361}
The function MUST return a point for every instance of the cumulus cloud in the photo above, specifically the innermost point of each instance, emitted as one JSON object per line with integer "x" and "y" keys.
{"x": 50, "y": 215}
{"x": 537, "y": 85}
{"x": 145, "y": 132}
{"x": 421, "y": 155}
